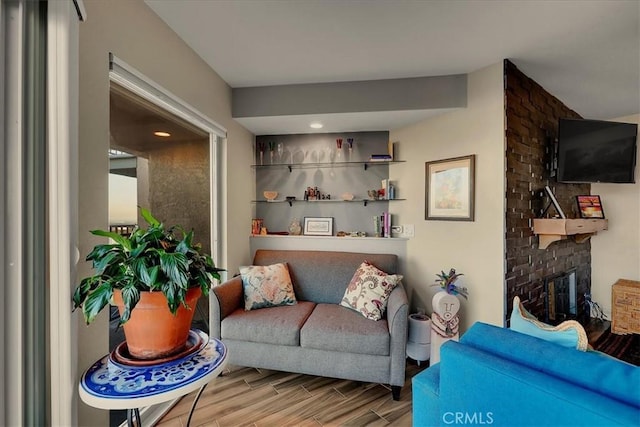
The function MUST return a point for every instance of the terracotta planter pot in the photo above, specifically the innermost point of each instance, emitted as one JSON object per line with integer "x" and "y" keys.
{"x": 152, "y": 331}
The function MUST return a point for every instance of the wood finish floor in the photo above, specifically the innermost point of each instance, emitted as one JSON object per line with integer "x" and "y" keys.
{"x": 263, "y": 398}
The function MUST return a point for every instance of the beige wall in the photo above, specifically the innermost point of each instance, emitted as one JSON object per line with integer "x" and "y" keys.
{"x": 131, "y": 31}
{"x": 473, "y": 248}
{"x": 615, "y": 253}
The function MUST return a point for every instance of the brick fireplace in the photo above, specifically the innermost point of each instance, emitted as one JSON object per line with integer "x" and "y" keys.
{"x": 531, "y": 116}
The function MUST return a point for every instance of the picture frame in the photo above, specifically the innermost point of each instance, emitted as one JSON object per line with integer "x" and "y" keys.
{"x": 450, "y": 189}
{"x": 318, "y": 226}
{"x": 590, "y": 206}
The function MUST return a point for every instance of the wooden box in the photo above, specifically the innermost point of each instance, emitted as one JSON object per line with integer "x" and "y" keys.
{"x": 625, "y": 299}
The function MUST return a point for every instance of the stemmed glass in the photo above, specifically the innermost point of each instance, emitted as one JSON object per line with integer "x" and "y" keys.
{"x": 339, "y": 148}
{"x": 280, "y": 151}
{"x": 350, "y": 146}
{"x": 272, "y": 147}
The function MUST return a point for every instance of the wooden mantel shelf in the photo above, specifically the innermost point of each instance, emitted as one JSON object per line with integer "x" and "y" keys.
{"x": 551, "y": 230}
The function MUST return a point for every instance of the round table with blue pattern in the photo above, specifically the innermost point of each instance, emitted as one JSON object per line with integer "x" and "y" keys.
{"x": 111, "y": 385}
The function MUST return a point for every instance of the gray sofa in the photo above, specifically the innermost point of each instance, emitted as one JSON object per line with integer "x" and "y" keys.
{"x": 316, "y": 336}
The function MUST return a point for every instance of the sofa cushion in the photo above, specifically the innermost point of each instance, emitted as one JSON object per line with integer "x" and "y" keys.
{"x": 567, "y": 334}
{"x": 335, "y": 328}
{"x": 369, "y": 290}
{"x": 273, "y": 325}
{"x": 267, "y": 286}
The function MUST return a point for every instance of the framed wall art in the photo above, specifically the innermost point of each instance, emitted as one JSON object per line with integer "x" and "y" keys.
{"x": 449, "y": 189}
{"x": 590, "y": 207}
{"x": 322, "y": 226}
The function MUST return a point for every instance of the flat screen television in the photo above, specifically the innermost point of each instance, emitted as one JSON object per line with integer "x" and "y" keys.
{"x": 596, "y": 151}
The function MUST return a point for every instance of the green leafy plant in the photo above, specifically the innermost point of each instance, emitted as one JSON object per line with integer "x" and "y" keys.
{"x": 151, "y": 259}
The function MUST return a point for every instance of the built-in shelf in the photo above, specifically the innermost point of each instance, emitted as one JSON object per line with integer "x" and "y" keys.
{"x": 551, "y": 230}
{"x": 292, "y": 166}
{"x": 364, "y": 201}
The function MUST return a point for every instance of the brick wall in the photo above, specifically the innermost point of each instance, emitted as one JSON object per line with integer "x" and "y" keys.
{"x": 532, "y": 116}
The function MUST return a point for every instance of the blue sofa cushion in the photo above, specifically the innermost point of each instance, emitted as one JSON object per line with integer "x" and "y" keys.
{"x": 567, "y": 334}
{"x": 589, "y": 370}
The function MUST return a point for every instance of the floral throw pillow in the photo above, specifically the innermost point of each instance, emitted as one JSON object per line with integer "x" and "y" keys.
{"x": 267, "y": 286}
{"x": 369, "y": 291}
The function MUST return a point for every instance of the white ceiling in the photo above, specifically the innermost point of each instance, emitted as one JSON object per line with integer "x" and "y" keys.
{"x": 585, "y": 52}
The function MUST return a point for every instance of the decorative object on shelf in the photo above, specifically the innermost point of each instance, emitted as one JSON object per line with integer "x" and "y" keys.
{"x": 339, "y": 149}
{"x": 150, "y": 266}
{"x": 445, "y": 320}
{"x": 295, "y": 228}
{"x": 280, "y": 151}
{"x": 553, "y": 201}
{"x": 321, "y": 226}
{"x": 272, "y": 148}
{"x": 312, "y": 193}
{"x": 373, "y": 194}
{"x": 270, "y": 195}
{"x": 450, "y": 189}
{"x": 256, "y": 226}
{"x": 350, "y": 147}
{"x": 590, "y": 206}
{"x": 347, "y": 196}
{"x": 260, "y": 147}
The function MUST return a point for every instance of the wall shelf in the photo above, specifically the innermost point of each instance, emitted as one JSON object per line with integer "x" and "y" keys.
{"x": 364, "y": 201}
{"x": 551, "y": 230}
{"x": 292, "y": 166}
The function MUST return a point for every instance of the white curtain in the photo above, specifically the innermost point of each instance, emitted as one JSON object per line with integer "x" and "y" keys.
{"x": 38, "y": 128}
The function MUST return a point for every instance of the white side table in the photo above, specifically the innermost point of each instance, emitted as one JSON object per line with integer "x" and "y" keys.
{"x": 419, "y": 342}
{"x": 111, "y": 385}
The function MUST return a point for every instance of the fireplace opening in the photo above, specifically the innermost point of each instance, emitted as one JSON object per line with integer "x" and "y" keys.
{"x": 561, "y": 297}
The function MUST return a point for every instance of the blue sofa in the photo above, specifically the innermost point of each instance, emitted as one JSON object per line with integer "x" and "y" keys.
{"x": 499, "y": 377}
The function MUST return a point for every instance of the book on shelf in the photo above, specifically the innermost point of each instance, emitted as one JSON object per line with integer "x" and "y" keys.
{"x": 380, "y": 158}
{"x": 382, "y": 225}
{"x": 388, "y": 188}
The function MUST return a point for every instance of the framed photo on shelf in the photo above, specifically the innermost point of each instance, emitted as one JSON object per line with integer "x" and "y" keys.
{"x": 321, "y": 226}
{"x": 449, "y": 188}
{"x": 590, "y": 206}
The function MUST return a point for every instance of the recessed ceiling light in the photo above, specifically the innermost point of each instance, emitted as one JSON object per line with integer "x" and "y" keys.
{"x": 316, "y": 125}
{"x": 162, "y": 134}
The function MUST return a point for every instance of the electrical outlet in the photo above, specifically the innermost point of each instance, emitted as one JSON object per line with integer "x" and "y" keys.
{"x": 408, "y": 230}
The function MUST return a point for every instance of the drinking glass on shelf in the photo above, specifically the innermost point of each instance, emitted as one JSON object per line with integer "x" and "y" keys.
{"x": 280, "y": 151}
{"x": 272, "y": 147}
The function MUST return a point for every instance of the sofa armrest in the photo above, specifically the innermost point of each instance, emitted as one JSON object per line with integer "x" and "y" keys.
{"x": 225, "y": 298}
{"x": 397, "y": 318}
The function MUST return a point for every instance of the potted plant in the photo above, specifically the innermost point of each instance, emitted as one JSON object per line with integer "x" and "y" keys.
{"x": 155, "y": 279}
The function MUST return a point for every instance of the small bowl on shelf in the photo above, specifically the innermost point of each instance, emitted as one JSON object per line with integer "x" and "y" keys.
{"x": 270, "y": 195}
